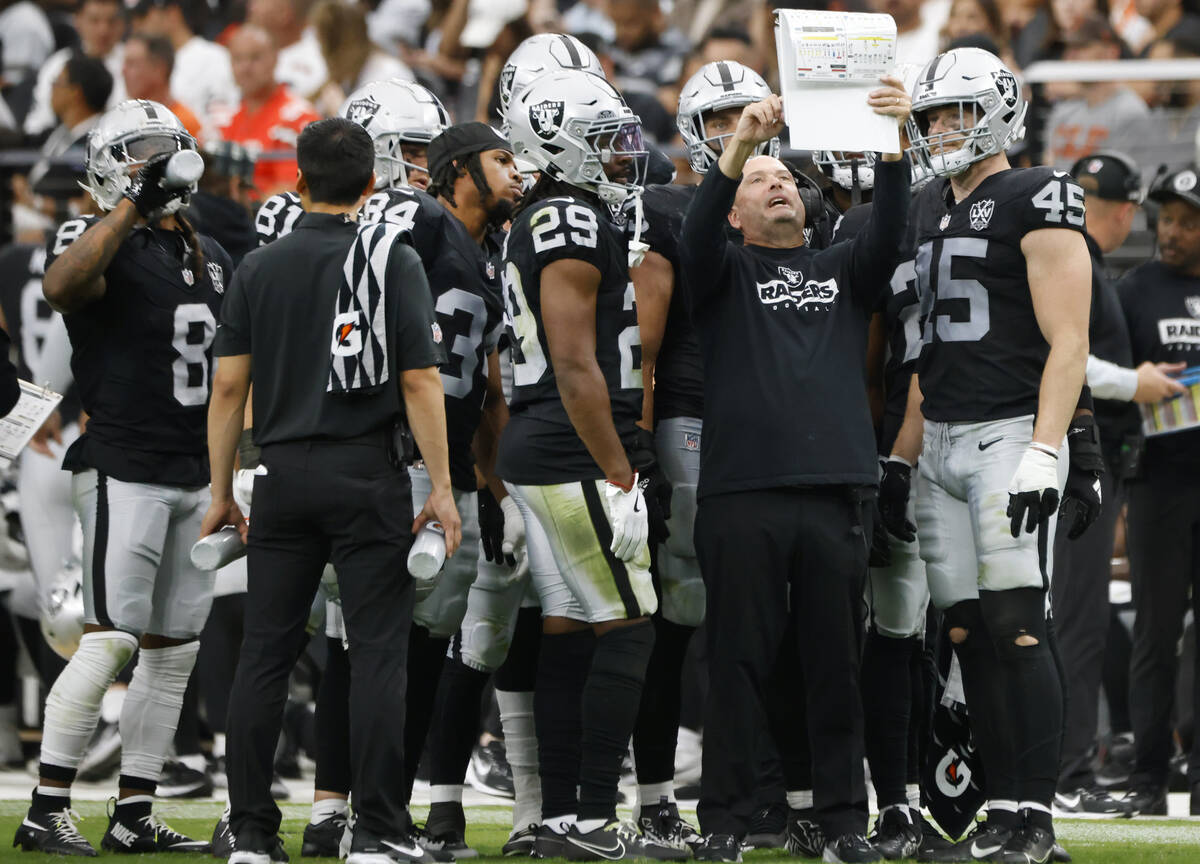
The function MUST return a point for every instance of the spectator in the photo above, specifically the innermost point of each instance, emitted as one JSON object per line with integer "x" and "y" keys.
{"x": 26, "y": 39}
{"x": 350, "y": 56}
{"x": 300, "y": 64}
{"x": 148, "y": 64}
{"x": 270, "y": 117}
{"x": 1175, "y": 111}
{"x": 100, "y": 25}
{"x": 647, "y": 53}
{"x": 724, "y": 43}
{"x": 1163, "y": 15}
{"x": 1106, "y": 115}
{"x": 202, "y": 78}
{"x": 396, "y": 23}
{"x": 1042, "y": 37}
{"x": 703, "y": 20}
{"x": 917, "y": 27}
{"x": 973, "y": 17}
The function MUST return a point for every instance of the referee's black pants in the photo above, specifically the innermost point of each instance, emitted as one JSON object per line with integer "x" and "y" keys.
{"x": 1079, "y": 597}
{"x": 769, "y": 558}
{"x": 348, "y": 505}
{"x": 1163, "y": 539}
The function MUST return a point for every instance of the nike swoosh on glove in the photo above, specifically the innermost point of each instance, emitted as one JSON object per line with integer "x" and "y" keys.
{"x": 516, "y": 553}
{"x": 655, "y": 487}
{"x": 1033, "y": 492}
{"x": 1081, "y": 503}
{"x": 895, "y": 485}
{"x": 627, "y": 515}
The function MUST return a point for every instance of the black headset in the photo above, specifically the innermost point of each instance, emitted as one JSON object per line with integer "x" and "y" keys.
{"x": 1132, "y": 187}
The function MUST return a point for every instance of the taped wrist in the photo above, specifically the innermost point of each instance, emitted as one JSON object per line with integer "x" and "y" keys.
{"x": 249, "y": 456}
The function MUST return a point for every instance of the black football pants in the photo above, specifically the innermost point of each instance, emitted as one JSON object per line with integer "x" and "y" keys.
{"x": 771, "y": 558}
{"x": 1164, "y": 562}
{"x": 345, "y": 504}
{"x": 1079, "y": 597}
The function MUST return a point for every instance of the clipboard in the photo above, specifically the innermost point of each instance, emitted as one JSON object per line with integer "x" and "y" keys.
{"x": 27, "y": 416}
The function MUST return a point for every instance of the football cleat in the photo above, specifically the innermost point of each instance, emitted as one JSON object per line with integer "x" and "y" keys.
{"x": 222, "y": 839}
{"x": 983, "y": 843}
{"x": 1146, "y": 800}
{"x": 615, "y": 841}
{"x": 53, "y": 833}
{"x": 931, "y": 838}
{"x": 489, "y": 771}
{"x": 1060, "y": 855}
{"x": 804, "y": 835}
{"x": 850, "y": 849}
{"x": 520, "y": 843}
{"x": 134, "y": 835}
{"x": 368, "y": 849}
{"x": 895, "y": 835}
{"x": 663, "y": 825}
{"x": 323, "y": 839}
{"x": 547, "y": 843}
{"x": 1095, "y": 801}
{"x": 719, "y": 847}
{"x": 182, "y": 781}
{"x": 1028, "y": 845}
{"x": 768, "y": 828}
{"x": 265, "y": 852}
{"x": 446, "y": 826}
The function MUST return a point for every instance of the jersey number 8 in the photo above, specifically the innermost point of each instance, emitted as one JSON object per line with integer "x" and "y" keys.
{"x": 195, "y": 328}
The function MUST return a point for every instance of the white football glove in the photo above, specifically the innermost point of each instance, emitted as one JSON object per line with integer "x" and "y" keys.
{"x": 243, "y": 489}
{"x": 1033, "y": 492}
{"x": 627, "y": 513}
{"x": 513, "y": 546}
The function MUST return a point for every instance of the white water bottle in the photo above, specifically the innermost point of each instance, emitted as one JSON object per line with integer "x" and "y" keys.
{"x": 218, "y": 550}
{"x": 428, "y": 553}
{"x": 183, "y": 169}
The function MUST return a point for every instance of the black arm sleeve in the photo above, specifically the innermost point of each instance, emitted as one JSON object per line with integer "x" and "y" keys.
{"x": 1085, "y": 400}
{"x": 876, "y": 248}
{"x": 702, "y": 244}
{"x": 10, "y": 390}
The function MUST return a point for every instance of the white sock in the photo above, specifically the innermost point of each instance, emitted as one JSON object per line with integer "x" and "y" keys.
{"x": 54, "y": 791}
{"x": 218, "y": 745}
{"x": 586, "y": 825}
{"x": 445, "y": 794}
{"x": 520, "y": 746}
{"x": 73, "y": 705}
{"x": 151, "y": 710}
{"x": 1001, "y": 804}
{"x": 195, "y": 761}
{"x": 559, "y": 824}
{"x": 800, "y": 800}
{"x": 327, "y": 808}
{"x": 649, "y": 794}
{"x": 912, "y": 792}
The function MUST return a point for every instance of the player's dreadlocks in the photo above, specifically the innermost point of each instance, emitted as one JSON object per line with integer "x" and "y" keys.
{"x": 443, "y": 177}
{"x": 193, "y": 257}
{"x": 550, "y": 187}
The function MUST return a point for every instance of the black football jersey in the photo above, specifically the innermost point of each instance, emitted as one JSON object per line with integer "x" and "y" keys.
{"x": 466, "y": 297}
{"x": 982, "y": 351}
{"x": 678, "y": 371}
{"x": 277, "y": 216}
{"x": 539, "y": 445}
{"x": 142, "y": 358}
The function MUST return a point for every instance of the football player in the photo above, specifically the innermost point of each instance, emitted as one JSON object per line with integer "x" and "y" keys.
{"x": 1004, "y": 278}
{"x": 140, "y": 292}
{"x": 577, "y": 396}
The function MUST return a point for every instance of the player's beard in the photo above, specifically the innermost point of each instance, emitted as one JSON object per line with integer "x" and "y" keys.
{"x": 498, "y": 210}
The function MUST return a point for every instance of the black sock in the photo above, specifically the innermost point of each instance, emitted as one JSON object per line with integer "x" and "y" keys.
{"x": 51, "y": 803}
{"x": 131, "y": 811}
{"x": 887, "y": 709}
{"x": 455, "y": 722}
{"x": 657, "y": 729}
{"x": 610, "y": 707}
{"x": 518, "y": 672}
{"x": 187, "y": 730}
{"x": 557, "y": 708}
{"x": 426, "y": 655}
{"x": 332, "y": 722}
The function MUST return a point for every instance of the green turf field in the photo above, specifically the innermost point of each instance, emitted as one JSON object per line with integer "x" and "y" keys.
{"x": 1090, "y": 842}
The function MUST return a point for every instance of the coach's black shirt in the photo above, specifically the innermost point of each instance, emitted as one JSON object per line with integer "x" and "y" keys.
{"x": 280, "y": 310}
{"x": 1162, "y": 307}
{"x": 783, "y": 336}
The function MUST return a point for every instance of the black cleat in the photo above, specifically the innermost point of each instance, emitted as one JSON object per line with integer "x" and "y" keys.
{"x": 259, "y": 850}
{"x": 931, "y": 838}
{"x": 1060, "y": 855}
{"x": 323, "y": 839}
{"x": 520, "y": 843}
{"x": 1146, "y": 801}
{"x": 768, "y": 828}
{"x": 447, "y": 826}
{"x": 615, "y": 841}
{"x": 804, "y": 835}
{"x": 1028, "y": 845}
{"x": 664, "y": 826}
{"x": 1095, "y": 801}
{"x": 53, "y": 833}
{"x": 135, "y": 835}
{"x": 719, "y": 847}
{"x": 896, "y": 836}
{"x": 180, "y": 781}
{"x": 367, "y": 849}
{"x": 222, "y": 839}
{"x": 489, "y": 771}
{"x": 983, "y": 843}
{"x": 547, "y": 843}
{"x": 850, "y": 849}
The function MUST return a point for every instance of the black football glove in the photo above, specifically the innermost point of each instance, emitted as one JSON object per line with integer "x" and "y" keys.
{"x": 1081, "y": 500}
{"x": 491, "y": 527}
{"x": 655, "y": 489}
{"x": 894, "y": 488}
{"x": 146, "y": 190}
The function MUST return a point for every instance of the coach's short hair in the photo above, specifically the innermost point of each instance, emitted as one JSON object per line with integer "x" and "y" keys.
{"x": 337, "y": 158}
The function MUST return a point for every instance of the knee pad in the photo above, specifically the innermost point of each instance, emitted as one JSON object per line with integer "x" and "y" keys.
{"x": 485, "y": 642}
{"x": 683, "y": 595}
{"x": 1013, "y": 615}
{"x": 683, "y": 521}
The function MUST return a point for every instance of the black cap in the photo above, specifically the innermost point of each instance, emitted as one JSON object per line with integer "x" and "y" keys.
{"x": 1179, "y": 184}
{"x": 1110, "y": 176}
{"x": 461, "y": 140}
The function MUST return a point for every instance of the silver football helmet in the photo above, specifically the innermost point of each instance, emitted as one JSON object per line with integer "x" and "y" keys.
{"x": 392, "y": 112}
{"x": 127, "y": 136}
{"x": 845, "y": 168}
{"x": 539, "y": 55}
{"x": 991, "y": 110}
{"x": 575, "y": 127}
{"x": 715, "y": 87}
{"x": 62, "y": 611}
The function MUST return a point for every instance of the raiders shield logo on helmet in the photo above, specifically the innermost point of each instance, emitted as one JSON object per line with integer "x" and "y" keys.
{"x": 506, "y": 77}
{"x": 1006, "y": 84}
{"x": 362, "y": 110}
{"x": 546, "y": 117}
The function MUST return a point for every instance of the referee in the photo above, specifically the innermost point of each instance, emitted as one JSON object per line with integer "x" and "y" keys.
{"x": 787, "y": 467}
{"x": 335, "y": 327}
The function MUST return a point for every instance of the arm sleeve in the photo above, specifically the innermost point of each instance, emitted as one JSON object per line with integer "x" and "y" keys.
{"x": 233, "y": 334}
{"x": 703, "y": 245}
{"x": 418, "y": 336}
{"x": 1110, "y": 381}
{"x": 876, "y": 248}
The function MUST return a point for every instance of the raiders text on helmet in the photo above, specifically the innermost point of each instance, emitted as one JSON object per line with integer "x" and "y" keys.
{"x": 716, "y": 86}
{"x": 392, "y": 112}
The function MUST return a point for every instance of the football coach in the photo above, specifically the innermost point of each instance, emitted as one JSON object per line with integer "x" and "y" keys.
{"x": 788, "y": 465}
{"x": 334, "y": 325}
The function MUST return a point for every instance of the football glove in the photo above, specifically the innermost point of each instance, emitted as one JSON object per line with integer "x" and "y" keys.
{"x": 516, "y": 554}
{"x": 627, "y": 514}
{"x": 146, "y": 191}
{"x": 656, "y": 489}
{"x": 1081, "y": 500}
{"x": 491, "y": 527}
{"x": 895, "y": 485}
{"x": 243, "y": 489}
{"x": 1033, "y": 491}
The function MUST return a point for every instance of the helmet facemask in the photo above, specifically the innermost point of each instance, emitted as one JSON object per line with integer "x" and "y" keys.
{"x": 391, "y": 168}
{"x": 111, "y": 166}
{"x": 854, "y": 172}
{"x": 703, "y": 149}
